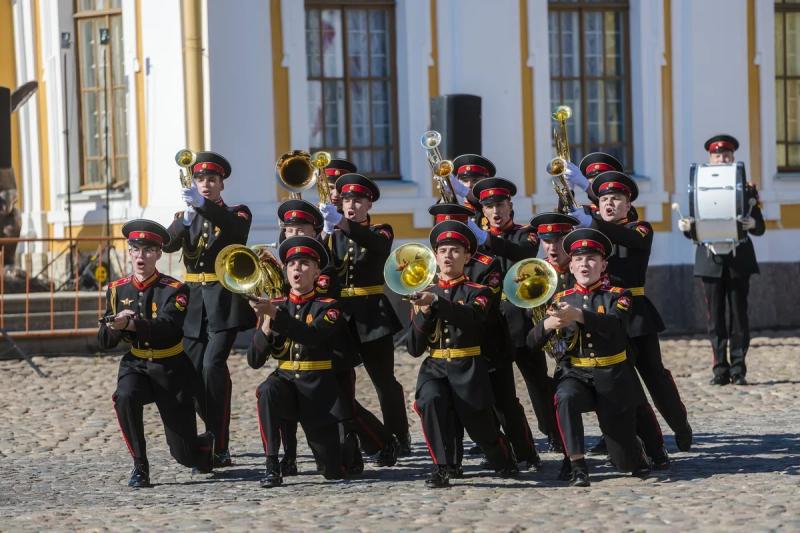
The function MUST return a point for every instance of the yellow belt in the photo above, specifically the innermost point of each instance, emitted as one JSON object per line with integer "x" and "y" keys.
{"x": 348, "y": 292}
{"x": 607, "y": 360}
{"x": 305, "y": 365}
{"x": 150, "y": 353}
{"x": 450, "y": 353}
{"x": 202, "y": 277}
{"x": 637, "y": 291}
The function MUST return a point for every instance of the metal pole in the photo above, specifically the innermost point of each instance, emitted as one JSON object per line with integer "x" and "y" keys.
{"x": 65, "y": 44}
{"x": 105, "y": 37}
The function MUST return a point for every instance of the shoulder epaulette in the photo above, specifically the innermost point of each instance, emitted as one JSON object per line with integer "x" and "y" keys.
{"x": 326, "y": 300}
{"x": 120, "y": 281}
{"x": 170, "y": 281}
{"x": 278, "y": 299}
{"x": 483, "y": 258}
{"x": 473, "y": 284}
{"x": 561, "y": 294}
{"x": 613, "y": 289}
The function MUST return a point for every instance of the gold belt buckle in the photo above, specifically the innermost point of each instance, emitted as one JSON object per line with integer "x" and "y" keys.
{"x": 349, "y": 291}
{"x": 296, "y": 365}
{"x": 150, "y": 354}
{"x": 447, "y": 353}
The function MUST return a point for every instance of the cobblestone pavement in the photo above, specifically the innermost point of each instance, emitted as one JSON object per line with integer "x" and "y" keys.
{"x": 64, "y": 464}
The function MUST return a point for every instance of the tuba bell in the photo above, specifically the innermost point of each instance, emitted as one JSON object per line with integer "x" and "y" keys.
{"x": 298, "y": 171}
{"x": 410, "y": 268}
{"x": 240, "y": 270}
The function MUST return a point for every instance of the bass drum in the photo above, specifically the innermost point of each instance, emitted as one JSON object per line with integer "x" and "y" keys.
{"x": 716, "y": 199}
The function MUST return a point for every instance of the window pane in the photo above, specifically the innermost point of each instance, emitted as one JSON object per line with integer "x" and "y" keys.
{"x": 572, "y": 97}
{"x": 555, "y": 50}
{"x": 570, "y": 44}
{"x": 357, "y": 49}
{"x": 313, "y": 50}
{"x": 88, "y": 53}
{"x": 381, "y": 114}
{"x": 121, "y": 173}
{"x": 593, "y": 43}
{"x": 381, "y": 161}
{"x": 120, "y": 123}
{"x": 595, "y": 112}
{"x": 780, "y": 115}
{"x": 793, "y": 44}
{"x": 90, "y": 124}
{"x": 794, "y": 156}
{"x": 793, "y": 111}
{"x": 615, "y": 112}
{"x": 781, "y": 155}
{"x": 613, "y": 44}
{"x": 379, "y": 42}
{"x": 332, "y": 43}
{"x": 779, "y": 37}
{"x": 333, "y": 108}
{"x": 363, "y": 160}
{"x": 359, "y": 114}
{"x": 315, "y": 113}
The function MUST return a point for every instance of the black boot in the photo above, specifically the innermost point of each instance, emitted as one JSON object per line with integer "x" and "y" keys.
{"x": 204, "y": 462}
{"x": 222, "y": 459}
{"x": 288, "y": 466}
{"x": 720, "y": 379}
{"x": 599, "y": 448}
{"x": 643, "y": 470}
{"x": 387, "y": 456}
{"x": 140, "y": 476}
{"x": 533, "y": 462}
{"x": 683, "y": 439}
{"x": 404, "y": 445}
{"x": 554, "y": 444}
{"x": 660, "y": 460}
{"x": 566, "y": 470}
{"x": 272, "y": 477}
{"x": 439, "y": 478}
{"x": 738, "y": 379}
{"x": 456, "y": 471}
{"x": 580, "y": 474}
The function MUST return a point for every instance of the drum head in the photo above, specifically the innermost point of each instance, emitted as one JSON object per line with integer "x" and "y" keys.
{"x": 716, "y": 199}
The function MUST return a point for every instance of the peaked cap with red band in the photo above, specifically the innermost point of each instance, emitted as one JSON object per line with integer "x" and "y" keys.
{"x": 597, "y": 162}
{"x": 299, "y": 212}
{"x": 145, "y": 232}
{"x": 490, "y": 190}
{"x": 721, "y": 143}
{"x": 452, "y": 231}
{"x": 587, "y": 241}
{"x": 611, "y": 182}
{"x": 473, "y": 166}
{"x": 339, "y": 167}
{"x": 303, "y": 246}
{"x": 357, "y": 185}
{"x": 443, "y": 212}
{"x": 211, "y": 163}
{"x": 553, "y": 225}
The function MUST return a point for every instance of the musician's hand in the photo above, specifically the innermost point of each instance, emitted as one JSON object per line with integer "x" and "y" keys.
{"x": 423, "y": 299}
{"x": 327, "y": 228}
{"x": 552, "y": 323}
{"x": 575, "y": 178}
{"x": 479, "y": 233}
{"x": 122, "y": 319}
{"x": 685, "y": 224}
{"x": 459, "y": 187}
{"x": 266, "y": 322}
{"x": 747, "y": 223}
{"x": 331, "y": 215}
{"x": 188, "y": 216}
{"x": 566, "y": 312}
{"x": 263, "y": 307}
{"x": 584, "y": 218}
{"x": 192, "y": 196}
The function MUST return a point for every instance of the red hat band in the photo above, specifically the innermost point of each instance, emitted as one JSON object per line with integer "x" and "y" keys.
{"x": 449, "y": 235}
{"x": 496, "y": 191}
{"x": 146, "y": 235}
{"x": 594, "y": 168}
{"x": 587, "y": 243}
{"x": 289, "y": 215}
{"x": 444, "y": 217}
{"x": 554, "y": 228}
{"x": 302, "y": 250}
{"x": 721, "y": 146}
{"x": 357, "y": 189}
{"x": 615, "y": 185}
{"x": 333, "y": 172}
{"x": 208, "y": 166}
{"x": 473, "y": 169}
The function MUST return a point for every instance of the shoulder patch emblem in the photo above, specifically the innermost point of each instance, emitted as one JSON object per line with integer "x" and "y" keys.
{"x": 180, "y": 302}
{"x": 483, "y": 258}
{"x": 481, "y": 301}
{"x": 642, "y": 229}
{"x": 244, "y": 214}
{"x": 623, "y": 303}
{"x": 386, "y": 231}
{"x": 493, "y": 280}
{"x": 331, "y": 315}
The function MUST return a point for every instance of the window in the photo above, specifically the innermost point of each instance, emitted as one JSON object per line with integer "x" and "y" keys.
{"x": 590, "y": 72}
{"x": 352, "y": 83}
{"x": 102, "y": 90}
{"x": 787, "y": 84}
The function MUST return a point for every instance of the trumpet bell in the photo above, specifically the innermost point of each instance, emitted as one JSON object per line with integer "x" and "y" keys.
{"x": 557, "y": 166}
{"x": 562, "y": 113}
{"x": 444, "y": 168}
{"x": 530, "y": 283}
{"x": 295, "y": 170}
{"x": 320, "y": 159}
{"x": 185, "y": 158}
{"x": 237, "y": 268}
{"x": 430, "y": 139}
{"x": 409, "y": 268}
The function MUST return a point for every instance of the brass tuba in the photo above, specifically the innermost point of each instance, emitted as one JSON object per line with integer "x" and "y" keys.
{"x": 240, "y": 270}
{"x": 410, "y": 268}
{"x": 298, "y": 170}
{"x": 442, "y": 168}
{"x": 558, "y": 165}
{"x": 185, "y": 159}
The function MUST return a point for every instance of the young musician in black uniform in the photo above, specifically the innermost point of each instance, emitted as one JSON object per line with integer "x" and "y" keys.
{"x": 335, "y": 169}
{"x": 593, "y": 375}
{"x": 215, "y": 315}
{"x": 147, "y": 310}
{"x": 726, "y": 278}
{"x": 453, "y": 386}
{"x": 304, "y": 333}
{"x": 359, "y": 250}
{"x": 628, "y": 267}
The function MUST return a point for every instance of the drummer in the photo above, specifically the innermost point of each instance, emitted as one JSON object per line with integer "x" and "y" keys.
{"x": 726, "y": 278}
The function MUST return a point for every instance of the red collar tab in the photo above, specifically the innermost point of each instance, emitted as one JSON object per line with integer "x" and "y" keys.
{"x": 219, "y": 202}
{"x": 294, "y": 213}
{"x": 208, "y": 166}
{"x": 141, "y": 285}
{"x": 596, "y": 168}
{"x": 453, "y": 235}
{"x": 302, "y": 298}
{"x": 622, "y": 221}
{"x": 499, "y": 231}
{"x": 554, "y": 228}
{"x": 611, "y": 186}
{"x": 146, "y": 235}
{"x": 587, "y": 243}
{"x": 557, "y": 267}
{"x": 720, "y": 146}
{"x": 301, "y": 250}
{"x": 495, "y": 191}
{"x": 460, "y": 218}
{"x": 355, "y": 188}
{"x": 473, "y": 169}
{"x": 591, "y": 288}
{"x": 449, "y": 284}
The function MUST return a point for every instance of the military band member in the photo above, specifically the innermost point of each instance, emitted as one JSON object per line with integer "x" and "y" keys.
{"x": 593, "y": 375}
{"x": 303, "y": 332}
{"x": 147, "y": 309}
{"x": 469, "y": 169}
{"x": 335, "y": 169}
{"x": 215, "y": 315}
{"x": 359, "y": 250}
{"x": 628, "y": 266}
{"x": 726, "y": 278}
{"x": 453, "y": 386}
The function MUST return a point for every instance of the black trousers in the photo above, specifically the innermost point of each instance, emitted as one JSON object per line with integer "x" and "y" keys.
{"x": 442, "y": 413}
{"x": 532, "y": 364}
{"x": 277, "y": 403}
{"x": 573, "y": 398}
{"x": 169, "y": 383}
{"x": 727, "y": 293}
{"x": 510, "y": 412}
{"x": 209, "y": 356}
{"x": 659, "y": 381}
{"x": 378, "y": 357}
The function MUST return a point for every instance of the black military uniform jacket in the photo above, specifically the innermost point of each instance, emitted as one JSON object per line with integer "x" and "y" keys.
{"x": 359, "y": 257}
{"x": 488, "y": 271}
{"x": 160, "y": 304}
{"x": 628, "y": 267}
{"x": 214, "y": 227}
{"x": 513, "y": 244}
{"x": 456, "y": 322}
{"x": 602, "y": 335}
{"x": 740, "y": 264}
{"x": 304, "y": 340}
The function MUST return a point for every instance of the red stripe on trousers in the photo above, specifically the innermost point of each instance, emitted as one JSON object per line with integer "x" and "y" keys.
{"x": 261, "y": 427}
{"x": 560, "y": 429}
{"x": 415, "y": 407}
{"x": 124, "y": 436}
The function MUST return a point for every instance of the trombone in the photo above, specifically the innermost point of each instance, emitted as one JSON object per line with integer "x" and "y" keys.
{"x": 299, "y": 170}
{"x": 558, "y": 165}
{"x": 442, "y": 168}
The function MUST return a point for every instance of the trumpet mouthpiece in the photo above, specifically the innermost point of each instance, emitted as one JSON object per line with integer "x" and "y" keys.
{"x": 675, "y": 206}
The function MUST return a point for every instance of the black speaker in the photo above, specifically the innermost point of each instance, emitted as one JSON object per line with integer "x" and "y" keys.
{"x": 458, "y": 118}
{"x": 5, "y": 127}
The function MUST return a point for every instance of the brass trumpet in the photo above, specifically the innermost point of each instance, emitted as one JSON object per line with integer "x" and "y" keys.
{"x": 240, "y": 270}
{"x": 298, "y": 171}
{"x": 558, "y": 165}
{"x": 442, "y": 168}
{"x": 185, "y": 159}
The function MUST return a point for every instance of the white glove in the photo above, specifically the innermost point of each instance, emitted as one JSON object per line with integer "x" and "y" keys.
{"x": 328, "y": 228}
{"x": 188, "y": 216}
{"x": 192, "y": 196}
{"x": 479, "y": 233}
{"x": 459, "y": 187}
{"x": 685, "y": 224}
{"x": 584, "y": 218}
{"x": 575, "y": 178}
{"x": 747, "y": 223}
{"x": 331, "y": 215}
